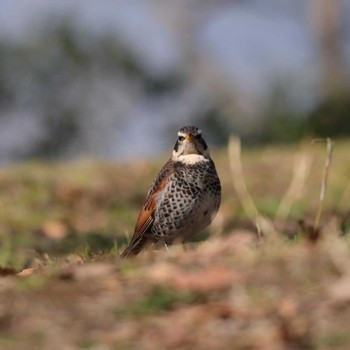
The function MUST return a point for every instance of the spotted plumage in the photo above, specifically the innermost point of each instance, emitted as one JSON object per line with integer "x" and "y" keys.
{"x": 184, "y": 197}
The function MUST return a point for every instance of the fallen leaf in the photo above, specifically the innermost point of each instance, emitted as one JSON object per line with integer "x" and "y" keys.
{"x": 26, "y": 272}
{"x": 216, "y": 278}
{"x": 54, "y": 230}
{"x": 340, "y": 291}
{"x": 287, "y": 308}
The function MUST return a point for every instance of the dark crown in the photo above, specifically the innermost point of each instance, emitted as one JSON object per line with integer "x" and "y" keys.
{"x": 190, "y": 130}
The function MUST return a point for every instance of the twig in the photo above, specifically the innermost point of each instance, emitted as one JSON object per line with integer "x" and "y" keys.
{"x": 234, "y": 155}
{"x": 301, "y": 171}
{"x": 324, "y": 181}
{"x": 234, "y": 151}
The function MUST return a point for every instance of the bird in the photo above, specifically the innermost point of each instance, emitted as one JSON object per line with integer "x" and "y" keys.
{"x": 183, "y": 198}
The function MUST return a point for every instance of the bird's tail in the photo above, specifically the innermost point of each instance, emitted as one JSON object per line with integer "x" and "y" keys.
{"x": 135, "y": 247}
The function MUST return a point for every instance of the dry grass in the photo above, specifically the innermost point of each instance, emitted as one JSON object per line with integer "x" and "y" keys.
{"x": 63, "y": 224}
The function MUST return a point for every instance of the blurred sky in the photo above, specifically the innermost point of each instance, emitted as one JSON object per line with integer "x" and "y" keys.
{"x": 250, "y": 40}
{"x": 250, "y": 44}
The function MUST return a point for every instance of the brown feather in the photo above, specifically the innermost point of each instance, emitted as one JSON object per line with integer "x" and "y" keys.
{"x": 142, "y": 233}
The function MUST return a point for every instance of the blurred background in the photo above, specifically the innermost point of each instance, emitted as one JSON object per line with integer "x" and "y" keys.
{"x": 116, "y": 79}
{"x": 107, "y": 84}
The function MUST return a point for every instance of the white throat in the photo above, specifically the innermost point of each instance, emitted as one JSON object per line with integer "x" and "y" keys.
{"x": 192, "y": 158}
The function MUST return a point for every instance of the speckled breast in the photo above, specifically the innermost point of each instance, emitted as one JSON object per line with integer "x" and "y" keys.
{"x": 190, "y": 201}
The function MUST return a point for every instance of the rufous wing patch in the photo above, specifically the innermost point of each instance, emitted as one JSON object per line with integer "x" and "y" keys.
{"x": 146, "y": 216}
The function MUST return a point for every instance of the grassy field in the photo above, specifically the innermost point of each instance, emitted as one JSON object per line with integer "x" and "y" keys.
{"x": 63, "y": 285}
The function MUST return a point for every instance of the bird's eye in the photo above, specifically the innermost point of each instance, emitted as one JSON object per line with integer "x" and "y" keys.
{"x": 181, "y": 138}
{"x": 198, "y": 136}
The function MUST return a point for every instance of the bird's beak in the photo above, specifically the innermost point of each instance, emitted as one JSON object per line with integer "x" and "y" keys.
{"x": 188, "y": 137}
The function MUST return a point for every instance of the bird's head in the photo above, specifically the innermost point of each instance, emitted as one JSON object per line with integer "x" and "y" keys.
{"x": 190, "y": 145}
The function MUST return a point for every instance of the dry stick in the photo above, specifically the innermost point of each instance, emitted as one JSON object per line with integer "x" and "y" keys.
{"x": 301, "y": 171}
{"x": 324, "y": 181}
{"x": 234, "y": 155}
{"x": 234, "y": 151}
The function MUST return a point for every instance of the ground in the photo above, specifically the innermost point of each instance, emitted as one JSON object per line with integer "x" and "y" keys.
{"x": 63, "y": 285}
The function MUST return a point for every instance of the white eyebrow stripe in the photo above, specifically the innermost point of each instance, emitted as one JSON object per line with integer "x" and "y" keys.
{"x": 181, "y": 133}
